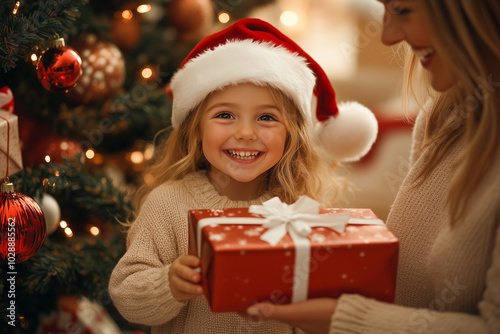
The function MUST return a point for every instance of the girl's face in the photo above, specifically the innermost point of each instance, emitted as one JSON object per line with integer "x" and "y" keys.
{"x": 242, "y": 131}
{"x": 405, "y": 20}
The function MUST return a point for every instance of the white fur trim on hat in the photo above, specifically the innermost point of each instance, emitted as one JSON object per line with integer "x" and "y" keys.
{"x": 350, "y": 135}
{"x": 241, "y": 61}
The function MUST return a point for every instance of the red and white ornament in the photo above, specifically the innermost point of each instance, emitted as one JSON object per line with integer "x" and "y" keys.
{"x": 59, "y": 67}
{"x": 6, "y": 100}
{"x": 79, "y": 315}
{"x": 103, "y": 72}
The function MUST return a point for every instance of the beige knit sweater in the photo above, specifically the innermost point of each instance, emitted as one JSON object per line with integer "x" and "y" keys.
{"x": 448, "y": 278}
{"x": 139, "y": 284}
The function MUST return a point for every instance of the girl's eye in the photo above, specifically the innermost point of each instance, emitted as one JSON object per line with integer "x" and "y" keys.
{"x": 225, "y": 115}
{"x": 399, "y": 10}
{"x": 267, "y": 118}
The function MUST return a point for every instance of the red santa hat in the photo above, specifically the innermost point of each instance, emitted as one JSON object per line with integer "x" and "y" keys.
{"x": 254, "y": 51}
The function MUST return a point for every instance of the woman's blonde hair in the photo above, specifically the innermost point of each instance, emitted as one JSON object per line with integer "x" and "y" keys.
{"x": 467, "y": 36}
{"x": 300, "y": 171}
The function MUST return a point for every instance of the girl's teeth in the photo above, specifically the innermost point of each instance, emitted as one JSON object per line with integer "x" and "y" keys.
{"x": 244, "y": 155}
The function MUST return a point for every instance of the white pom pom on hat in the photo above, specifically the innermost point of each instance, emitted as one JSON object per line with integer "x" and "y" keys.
{"x": 350, "y": 135}
{"x": 252, "y": 50}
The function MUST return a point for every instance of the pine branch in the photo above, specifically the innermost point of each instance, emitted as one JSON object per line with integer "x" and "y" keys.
{"x": 32, "y": 26}
{"x": 71, "y": 180}
{"x": 126, "y": 118}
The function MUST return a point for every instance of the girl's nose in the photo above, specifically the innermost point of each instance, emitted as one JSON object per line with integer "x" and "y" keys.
{"x": 246, "y": 131}
{"x": 392, "y": 32}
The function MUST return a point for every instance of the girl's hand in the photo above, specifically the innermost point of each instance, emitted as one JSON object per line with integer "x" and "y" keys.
{"x": 312, "y": 316}
{"x": 184, "y": 280}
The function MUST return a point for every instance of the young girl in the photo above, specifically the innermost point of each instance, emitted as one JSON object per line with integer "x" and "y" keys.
{"x": 447, "y": 212}
{"x": 241, "y": 121}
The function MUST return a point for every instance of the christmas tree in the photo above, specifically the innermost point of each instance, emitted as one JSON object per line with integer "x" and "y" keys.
{"x": 84, "y": 146}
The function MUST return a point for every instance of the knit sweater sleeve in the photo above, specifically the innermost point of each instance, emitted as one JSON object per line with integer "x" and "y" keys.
{"x": 357, "y": 314}
{"x": 139, "y": 285}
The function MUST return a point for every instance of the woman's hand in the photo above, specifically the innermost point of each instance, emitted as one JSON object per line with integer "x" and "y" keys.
{"x": 184, "y": 280}
{"x": 312, "y": 316}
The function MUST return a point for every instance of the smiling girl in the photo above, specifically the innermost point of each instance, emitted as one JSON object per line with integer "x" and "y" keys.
{"x": 242, "y": 133}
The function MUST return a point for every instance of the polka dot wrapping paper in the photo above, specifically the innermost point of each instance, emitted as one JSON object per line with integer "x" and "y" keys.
{"x": 239, "y": 269}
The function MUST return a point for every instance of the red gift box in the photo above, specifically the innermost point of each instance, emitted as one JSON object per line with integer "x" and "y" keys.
{"x": 238, "y": 268}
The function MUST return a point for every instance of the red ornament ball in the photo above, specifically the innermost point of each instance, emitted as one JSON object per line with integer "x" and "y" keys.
{"x": 103, "y": 73}
{"x": 190, "y": 17}
{"x": 59, "y": 68}
{"x": 23, "y": 225}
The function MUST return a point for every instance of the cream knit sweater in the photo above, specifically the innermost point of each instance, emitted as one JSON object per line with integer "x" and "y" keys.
{"x": 139, "y": 284}
{"x": 448, "y": 278}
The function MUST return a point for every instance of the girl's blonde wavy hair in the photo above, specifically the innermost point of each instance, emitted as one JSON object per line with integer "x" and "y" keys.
{"x": 300, "y": 171}
{"x": 467, "y": 36}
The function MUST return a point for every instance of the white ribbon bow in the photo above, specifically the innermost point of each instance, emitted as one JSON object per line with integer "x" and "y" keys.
{"x": 296, "y": 219}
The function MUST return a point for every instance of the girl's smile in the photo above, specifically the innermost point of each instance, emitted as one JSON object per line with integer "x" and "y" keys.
{"x": 244, "y": 155}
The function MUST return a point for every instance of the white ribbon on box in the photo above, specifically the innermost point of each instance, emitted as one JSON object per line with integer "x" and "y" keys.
{"x": 296, "y": 220}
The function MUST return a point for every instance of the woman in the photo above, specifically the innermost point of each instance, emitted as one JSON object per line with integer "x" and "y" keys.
{"x": 447, "y": 212}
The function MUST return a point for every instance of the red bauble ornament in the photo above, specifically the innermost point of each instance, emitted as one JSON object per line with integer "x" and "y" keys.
{"x": 190, "y": 17}
{"x": 59, "y": 67}
{"x": 103, "y": 72}
{"x": 22, "y": 226}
